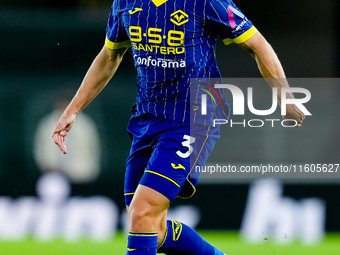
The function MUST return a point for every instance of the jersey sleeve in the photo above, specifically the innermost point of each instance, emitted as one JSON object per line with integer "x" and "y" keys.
{"x": 116, "y": 36}
{"x": 230, "y": 24}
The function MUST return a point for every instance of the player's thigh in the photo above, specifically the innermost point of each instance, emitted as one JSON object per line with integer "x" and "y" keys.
{"x": 167, "y": 171}
{"x": 178, "y": 149}
{"x": 139, "y": 157}
{"x": 135, "y": 167}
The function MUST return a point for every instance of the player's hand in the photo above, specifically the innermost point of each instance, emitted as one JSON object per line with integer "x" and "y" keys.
{"x": 63, "y": 126}
{"x": 293, "y": 112}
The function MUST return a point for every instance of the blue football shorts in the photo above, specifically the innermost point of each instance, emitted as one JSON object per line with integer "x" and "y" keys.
{"x": 163, "y": 155}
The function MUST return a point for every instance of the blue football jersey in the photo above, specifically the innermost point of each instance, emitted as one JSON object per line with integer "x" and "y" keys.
{"x": 173, "y": 43}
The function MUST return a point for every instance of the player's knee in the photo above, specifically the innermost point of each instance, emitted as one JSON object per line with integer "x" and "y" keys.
{"x": 142, "y": 213}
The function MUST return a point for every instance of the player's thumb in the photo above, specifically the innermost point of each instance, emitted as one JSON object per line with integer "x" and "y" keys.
{"x": 63, "y": 133}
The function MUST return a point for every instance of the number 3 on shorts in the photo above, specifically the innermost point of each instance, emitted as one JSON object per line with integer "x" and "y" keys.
{"x": 188, "y": 140}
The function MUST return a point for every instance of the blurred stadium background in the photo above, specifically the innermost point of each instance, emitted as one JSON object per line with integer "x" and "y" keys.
{"x": 45, "y": 49}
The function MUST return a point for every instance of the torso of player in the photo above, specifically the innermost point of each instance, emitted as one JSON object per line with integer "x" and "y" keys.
{"x": 173, "y": 42}
{"x": 170, "y": 40}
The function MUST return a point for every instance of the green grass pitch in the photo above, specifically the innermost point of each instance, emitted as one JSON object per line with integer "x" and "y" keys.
{"x": 226, "y": 241}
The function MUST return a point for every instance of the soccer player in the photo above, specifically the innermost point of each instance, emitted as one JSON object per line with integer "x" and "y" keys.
{"x": 173, "y": 42}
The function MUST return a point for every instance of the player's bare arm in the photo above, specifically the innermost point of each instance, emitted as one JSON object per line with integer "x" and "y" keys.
{"x": 271, "y": 69}
{"x": 99, "y": 74}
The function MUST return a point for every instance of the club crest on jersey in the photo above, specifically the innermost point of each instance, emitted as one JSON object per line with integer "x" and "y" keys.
{"x": 179, "y": 17}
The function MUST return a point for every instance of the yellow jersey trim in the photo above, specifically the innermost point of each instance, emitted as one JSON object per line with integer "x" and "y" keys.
{"x": 193, "y": 192}
{"x": 129, "y": 194}
{"x": 117, "y": 45}
{"x": 152, "y": 172}
{"x": 187, "y": 179}
{"x": 199, "y": 153}
{"x": 151, "y": 234}
{"x": 164, "y": 238}
{"x": 159, "y": 2}
{"x": 242, "y": 38}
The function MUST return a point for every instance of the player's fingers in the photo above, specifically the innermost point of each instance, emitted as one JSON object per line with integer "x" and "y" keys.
{"x": 60, "y": 142}
{"x": 57, "y": 140}
{"x": 297, "y": 123}
{"x": 300, "y": 119}
{"x": 294, "y": 121}
{"x": 62, "y": 146}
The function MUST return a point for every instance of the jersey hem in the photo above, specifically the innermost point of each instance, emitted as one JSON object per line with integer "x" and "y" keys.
{"x": 165, "y": 177}
{"x": 192, "y": 192}
{"x": 242, "y": 38}
{"x": 117, "y": 45}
